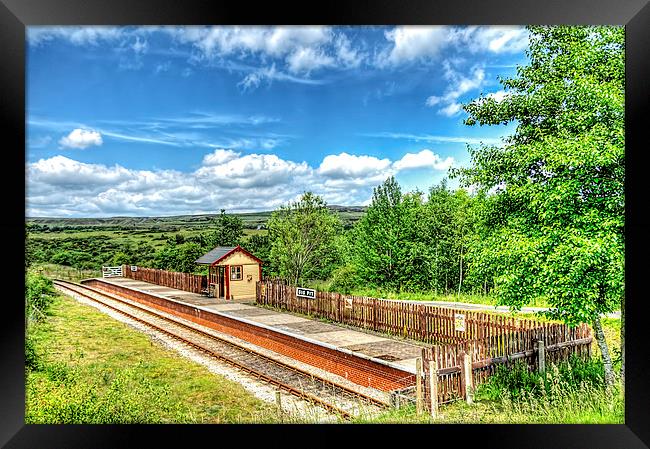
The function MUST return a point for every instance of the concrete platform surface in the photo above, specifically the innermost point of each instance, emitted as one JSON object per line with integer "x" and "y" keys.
{"x": 383, "y": 348}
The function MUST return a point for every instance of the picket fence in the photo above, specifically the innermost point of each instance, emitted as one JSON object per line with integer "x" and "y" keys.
{"x": 489, "y": 340}
{"x": 194, "y": 283}
{"x": 560, "y": 342}
{"x": 423, "y": 322}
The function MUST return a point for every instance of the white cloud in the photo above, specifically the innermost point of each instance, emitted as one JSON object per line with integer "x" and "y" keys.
{"x": 411, "y": 43}
{"x": 407, "y": 44}
{"x": 436, "y": 139}
{"x": 458, "y": 86}
{"x": 307, "y": 59}
{"x": 140, "y": 47}
{"x": 344, "y": 165}
{"x": 273, "y": 41}
{"x": 269, "y": 74}
{"x": 62, "y": 171}
{"x": 227, "y": 179}
{"x": 498, "y": 96}
{"x": 85, "y": 35}
{"x": 495, "y": 39}
{"x": 219, "y": 157}
{"x": 423, "y": 159}
{"x": 251, "y": 170}
{"x": 81, "y": 138}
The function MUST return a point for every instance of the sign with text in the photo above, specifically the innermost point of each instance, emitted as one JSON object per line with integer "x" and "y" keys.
{"x": 306, "y": 293}
{"x": 348, "y": 303}
{"x": 459, "y": 321}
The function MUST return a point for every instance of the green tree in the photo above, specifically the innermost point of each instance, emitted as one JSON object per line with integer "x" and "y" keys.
{"x": 555, "y": 218}
{"x": 302, "y": 238}
{"x": 229, "y": 232}
{"x": 383, "y": 245}
{"x": 260, "y": 246}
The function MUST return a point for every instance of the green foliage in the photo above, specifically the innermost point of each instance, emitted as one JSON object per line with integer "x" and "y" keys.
{"x": 260, "y": 246}
{"x": 181, "y": 257}
{"x": 39, "y": 293}
{"x": 553, "y": 225}
{"x": 63, "y": 394}
{"x": 406, "y": 244}
{"x": 344, "y": 279}
{"x": 229, "y": 232}
{"x": 32, "y": 360}
{"x": 379, "y": 242}
{"x": 303, "y": 236}
{"x": 518, "y": 381}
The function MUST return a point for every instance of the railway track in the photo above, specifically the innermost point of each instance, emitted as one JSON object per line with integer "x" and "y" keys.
{"x": 337, "y": 399}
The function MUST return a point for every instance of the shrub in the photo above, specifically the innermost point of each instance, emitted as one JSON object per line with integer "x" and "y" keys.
{"x": 344, "y": 279}
{"x": 39, "y": 293}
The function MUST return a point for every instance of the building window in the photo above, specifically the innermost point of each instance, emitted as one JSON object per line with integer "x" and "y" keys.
{"x": 236, "y": 273}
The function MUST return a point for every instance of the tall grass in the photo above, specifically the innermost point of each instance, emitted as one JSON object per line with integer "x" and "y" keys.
{"x": 570, "y": 393}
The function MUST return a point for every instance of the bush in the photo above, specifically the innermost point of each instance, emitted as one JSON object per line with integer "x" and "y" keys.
{"x": 344, "y": 279}
{"x": 39, "y": 293}
{"x": 32, "y": 361}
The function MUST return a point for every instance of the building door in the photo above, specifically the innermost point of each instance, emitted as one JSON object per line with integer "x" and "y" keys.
{"x": 221, "y": 281}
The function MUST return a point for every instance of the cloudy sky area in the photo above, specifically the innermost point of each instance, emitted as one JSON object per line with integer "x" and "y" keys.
{"x": 143, "y": 121}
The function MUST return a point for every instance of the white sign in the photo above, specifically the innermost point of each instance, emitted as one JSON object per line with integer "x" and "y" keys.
{"x": 109, "y": 272}
{"x": 459, "y": 322}
{"x": 134, "y": 268}
{"x": 306, "y": 292}
{"x": 348, "y": 303}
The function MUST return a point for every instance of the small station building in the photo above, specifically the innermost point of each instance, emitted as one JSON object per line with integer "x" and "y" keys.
{"x": 232, "y": 272}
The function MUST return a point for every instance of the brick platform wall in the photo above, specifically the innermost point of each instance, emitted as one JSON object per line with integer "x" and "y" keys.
{"x": 356, "y": 369}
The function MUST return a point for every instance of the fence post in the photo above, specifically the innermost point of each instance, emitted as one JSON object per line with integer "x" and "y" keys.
{"x": 278, "y": 403}
{"x": 418, "y": 385}
{"x": 541, "y": 357}
{"x": 466, "y": 372}
{"x": 433, "y": 385}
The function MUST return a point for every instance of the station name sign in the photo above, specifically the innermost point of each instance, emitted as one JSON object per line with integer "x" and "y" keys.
{"x": 306, "y": 292}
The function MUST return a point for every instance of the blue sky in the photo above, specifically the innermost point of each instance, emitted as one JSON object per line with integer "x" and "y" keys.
{"x": 144, "y": 121}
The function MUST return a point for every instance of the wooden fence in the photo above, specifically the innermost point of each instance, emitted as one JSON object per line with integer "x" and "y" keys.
{"x": 559, "y": 342}
{"x": 421, "y": 322}
{"x": 477, "y": 343}
{"x": 194, "y": 283}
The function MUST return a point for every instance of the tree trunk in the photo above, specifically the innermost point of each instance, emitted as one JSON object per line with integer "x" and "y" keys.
{"x": 607, "y": 359}
{"x": 623, "y": 344}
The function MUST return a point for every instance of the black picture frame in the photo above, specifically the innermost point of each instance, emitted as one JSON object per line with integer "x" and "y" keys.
{"x": 15, "y": 15}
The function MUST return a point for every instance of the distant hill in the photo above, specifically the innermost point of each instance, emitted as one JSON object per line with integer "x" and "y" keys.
{"x": 252, "y": 220}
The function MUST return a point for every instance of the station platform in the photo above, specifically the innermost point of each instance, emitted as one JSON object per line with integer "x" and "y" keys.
{"x": 386, "y": 350}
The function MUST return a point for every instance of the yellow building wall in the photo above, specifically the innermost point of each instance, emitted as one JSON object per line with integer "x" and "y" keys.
{"x": 245, "y": 288}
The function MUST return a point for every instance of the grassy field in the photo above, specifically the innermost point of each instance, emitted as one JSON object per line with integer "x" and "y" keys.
{"x": 251, "y": 220}
{"x": 93, "y": 368}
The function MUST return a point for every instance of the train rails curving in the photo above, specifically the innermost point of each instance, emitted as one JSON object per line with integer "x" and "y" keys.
{"x": 337, "y": 399}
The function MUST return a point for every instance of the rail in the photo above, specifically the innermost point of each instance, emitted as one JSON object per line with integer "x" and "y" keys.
{"x": 76, "y": 288}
